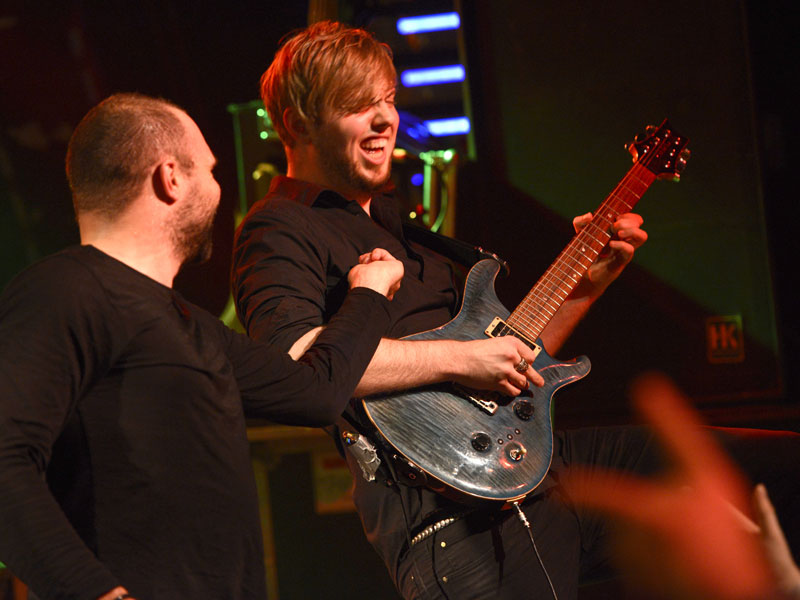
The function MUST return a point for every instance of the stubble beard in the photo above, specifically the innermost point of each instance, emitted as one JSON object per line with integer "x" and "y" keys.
{"x": 340, "y": 168}
{"x": 192, "y": 234}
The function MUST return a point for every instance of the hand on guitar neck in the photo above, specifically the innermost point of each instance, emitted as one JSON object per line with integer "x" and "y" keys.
{"x": 628, "y": 235}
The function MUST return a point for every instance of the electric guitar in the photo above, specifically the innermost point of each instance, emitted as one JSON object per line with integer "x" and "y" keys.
{"x": 483, "y": 444}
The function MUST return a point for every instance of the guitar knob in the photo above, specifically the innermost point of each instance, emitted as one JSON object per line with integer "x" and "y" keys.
{"x": 524, "y": 410}
{"x": 481, "y": 442}
{"x": 682, "y": 160}
{"x": 515, "y": 452}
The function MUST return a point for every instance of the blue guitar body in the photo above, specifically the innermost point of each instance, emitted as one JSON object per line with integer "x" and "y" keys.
{"x": 441, "y": 430}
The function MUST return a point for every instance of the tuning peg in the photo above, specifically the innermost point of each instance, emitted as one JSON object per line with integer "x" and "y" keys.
{"x": 631, "y": 147}
{"x": 650, "y": 130}
{"x": 680, "y": 164}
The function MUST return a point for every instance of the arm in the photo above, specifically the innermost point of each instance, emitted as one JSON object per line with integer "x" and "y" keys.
{"x": 282, "y": 294}
{"x": 43, "y": 368}
{"x": 315, "y": 389}
{"x": 482, "y": 364}
{"x": 399, "y": 364}
{"x": 628, "y": 236}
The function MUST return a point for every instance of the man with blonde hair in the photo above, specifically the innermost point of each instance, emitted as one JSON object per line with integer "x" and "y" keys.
{"x": 330, "y": 93}
{"x": 124, "y": 461}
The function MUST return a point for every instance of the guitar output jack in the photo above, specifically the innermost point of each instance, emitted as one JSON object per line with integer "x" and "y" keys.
{"x": 515, "y": 452}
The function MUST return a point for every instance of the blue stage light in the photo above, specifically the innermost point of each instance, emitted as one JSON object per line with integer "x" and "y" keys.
{"x": 428, "y": 23}
{"x": 433, "y": 75}
{"x": 452, "y": 126}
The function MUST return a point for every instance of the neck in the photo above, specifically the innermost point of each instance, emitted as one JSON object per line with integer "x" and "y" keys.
{"x": 143, "y": 248}
{"x": 302, "y": 164}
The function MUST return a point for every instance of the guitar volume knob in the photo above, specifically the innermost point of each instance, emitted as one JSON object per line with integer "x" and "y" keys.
{"x": 481, "y": 442}
{"x": 524, "y": 410}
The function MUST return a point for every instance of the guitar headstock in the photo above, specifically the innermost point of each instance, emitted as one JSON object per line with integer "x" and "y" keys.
{"x": 662, "y": 151}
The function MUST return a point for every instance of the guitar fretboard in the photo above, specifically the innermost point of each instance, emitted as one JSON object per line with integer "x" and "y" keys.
{"x": 544, "y": 299}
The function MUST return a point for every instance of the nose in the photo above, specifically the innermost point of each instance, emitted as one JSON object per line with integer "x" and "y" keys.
{"x": 384, "y": 117}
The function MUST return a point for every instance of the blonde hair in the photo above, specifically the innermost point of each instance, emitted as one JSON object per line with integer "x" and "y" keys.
{"x": 327, "y": 66}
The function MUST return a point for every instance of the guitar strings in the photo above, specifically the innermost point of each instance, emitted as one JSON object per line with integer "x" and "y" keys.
{"x": 544, "y": 299}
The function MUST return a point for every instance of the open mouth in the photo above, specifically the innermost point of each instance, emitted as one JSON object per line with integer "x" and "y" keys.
{"x": 374, "y": 148}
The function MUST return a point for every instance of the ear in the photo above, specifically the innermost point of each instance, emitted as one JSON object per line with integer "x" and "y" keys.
{"x": 296, "y": 125}
{"x": 167, "y": 181}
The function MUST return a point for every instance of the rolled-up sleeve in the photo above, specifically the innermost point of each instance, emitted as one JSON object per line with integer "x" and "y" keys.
{"x": 278, "y": 276}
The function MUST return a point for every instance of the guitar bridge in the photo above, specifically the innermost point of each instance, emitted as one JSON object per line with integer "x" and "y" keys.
{"x": 480, "y": 398}
{"x": 499, "y": 327}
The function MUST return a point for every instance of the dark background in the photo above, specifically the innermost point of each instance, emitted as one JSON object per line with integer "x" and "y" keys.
{"x": 57, "y": 59}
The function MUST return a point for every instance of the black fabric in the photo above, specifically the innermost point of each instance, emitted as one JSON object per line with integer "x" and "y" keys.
{"x": 289, "y": 254}
{"x": 132, "y": 401}
{"x": 311, "y": 250}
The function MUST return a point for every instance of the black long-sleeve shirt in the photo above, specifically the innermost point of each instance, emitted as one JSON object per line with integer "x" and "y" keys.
{"x": 290, "y": 255}
{"x": 132, "y": 402}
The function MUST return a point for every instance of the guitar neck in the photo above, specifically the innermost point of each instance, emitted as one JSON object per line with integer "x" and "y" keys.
{"x": 544, "y": 299}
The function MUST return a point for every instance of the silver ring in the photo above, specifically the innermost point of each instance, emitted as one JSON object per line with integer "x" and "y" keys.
{"x": 521, "y": 366}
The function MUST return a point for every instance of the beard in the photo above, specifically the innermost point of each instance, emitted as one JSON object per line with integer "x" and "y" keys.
{"x": 341, "y": 168}
{"x": 192, "y": 231}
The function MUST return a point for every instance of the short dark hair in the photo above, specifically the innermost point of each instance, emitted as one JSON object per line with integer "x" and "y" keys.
{"x": 324, "y": 66}
{"x": 113, "y": 147}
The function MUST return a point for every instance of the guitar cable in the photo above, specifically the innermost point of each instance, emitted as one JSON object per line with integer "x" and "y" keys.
{"x": 421, "y": 580}
{"x": 527, "y": 526}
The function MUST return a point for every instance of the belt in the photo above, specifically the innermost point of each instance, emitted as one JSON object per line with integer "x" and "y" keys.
{"x": 433, "y": 528}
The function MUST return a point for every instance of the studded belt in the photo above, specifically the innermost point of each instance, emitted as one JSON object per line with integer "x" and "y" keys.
{"x": 433, "y": 528}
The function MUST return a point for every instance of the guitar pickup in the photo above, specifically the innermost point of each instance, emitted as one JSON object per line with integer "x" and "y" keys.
{"x": 499, "y": 327}
{"x": 480, "y": 398}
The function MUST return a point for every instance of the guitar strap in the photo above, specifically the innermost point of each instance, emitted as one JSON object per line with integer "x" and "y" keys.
{"x": 460, "y": 252}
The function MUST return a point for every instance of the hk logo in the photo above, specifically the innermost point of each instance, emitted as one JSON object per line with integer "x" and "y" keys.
{"x": 724, "y": 339}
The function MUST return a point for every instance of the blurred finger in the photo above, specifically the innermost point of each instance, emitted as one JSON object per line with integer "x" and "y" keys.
{"x": 745, "y": 522}
{"x": 765, "y": 513}
{"x": 580, "y": 221}
{"x": 680, "y": 429}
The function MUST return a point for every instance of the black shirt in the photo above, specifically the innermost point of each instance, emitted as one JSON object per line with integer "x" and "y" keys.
{"x": 295, "y": 247}
{"x": 134, "y": 402}
{"x": 290, "y": 254}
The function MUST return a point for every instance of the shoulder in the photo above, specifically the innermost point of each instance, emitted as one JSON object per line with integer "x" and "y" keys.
{"x": 57, "y": 296}
{"x": 275, "y": 221}
{"x": 80, "y": 280}
{"x": 57, "y": 276}
{"x": 277, "y": 210}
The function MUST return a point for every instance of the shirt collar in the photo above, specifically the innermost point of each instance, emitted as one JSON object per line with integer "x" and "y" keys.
{"x": 311, "y": 194}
